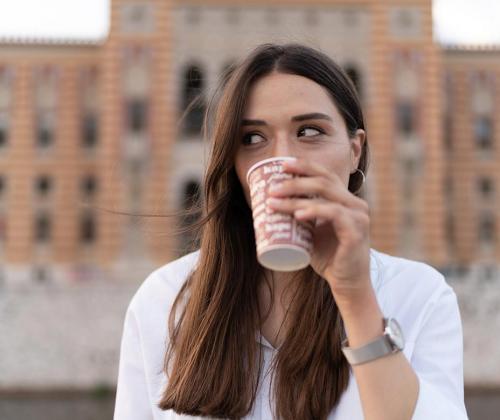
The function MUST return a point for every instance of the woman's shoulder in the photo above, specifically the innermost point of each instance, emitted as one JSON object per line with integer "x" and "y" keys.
{"x": 394, "y": 271}
{"x": 407, "y": 285}
{"x": 163, "y": 284}
{"x": 408, "y": 290}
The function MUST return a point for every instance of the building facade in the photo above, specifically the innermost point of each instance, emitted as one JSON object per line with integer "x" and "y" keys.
{"x": 94, "y": 134}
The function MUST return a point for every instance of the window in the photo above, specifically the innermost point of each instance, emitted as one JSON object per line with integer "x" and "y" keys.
{"x": 405, "y": 114}
{"x": 3, "y": 227}
{"x": 44, "y": 130}
{"x": 42, "y": 228}
{"x": 3, "y": 136}
{"x": 137, "y": 115}
{"x": 4, "y": 131}
{"x": 6, "y": 83}
{"x": 2, "y": 185}
{"x": 483, "y": 132}
{"x": 89, "y": 130}
{"x": 193, "y": 101}
{"x": 486, "y": 187}
{"x": 45, "y": 101}
{"x": 448, "y": 97}
{"x": 43, "y": 185}
{"x": 89, "y": 186}
{"x": 87, "y": 228}
{"x": 487, "y": 227}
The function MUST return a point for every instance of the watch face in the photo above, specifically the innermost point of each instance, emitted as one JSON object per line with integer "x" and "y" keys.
{"x": 395, "y": 333}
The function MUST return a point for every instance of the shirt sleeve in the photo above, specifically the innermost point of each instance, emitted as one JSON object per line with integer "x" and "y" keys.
{"x": 438, "y": 361}
{"x": 132, "y": 397}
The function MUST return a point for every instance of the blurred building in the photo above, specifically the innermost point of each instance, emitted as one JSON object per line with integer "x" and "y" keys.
{"x": 471, "y": 88}
{"x": 97, "y": 125}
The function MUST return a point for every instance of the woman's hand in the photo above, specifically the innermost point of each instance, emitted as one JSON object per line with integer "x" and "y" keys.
{"x": 341, "y": 252}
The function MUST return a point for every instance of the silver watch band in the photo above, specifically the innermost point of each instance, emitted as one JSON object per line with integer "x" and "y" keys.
{"x": 390, "y": 342}
{"x": 371, "y": 351}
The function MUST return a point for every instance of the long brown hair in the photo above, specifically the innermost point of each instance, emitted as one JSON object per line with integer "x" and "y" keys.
{"x": 213, "y": 361}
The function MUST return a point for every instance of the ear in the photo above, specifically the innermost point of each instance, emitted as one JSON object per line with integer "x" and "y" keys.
{"x": 357, "y": 142}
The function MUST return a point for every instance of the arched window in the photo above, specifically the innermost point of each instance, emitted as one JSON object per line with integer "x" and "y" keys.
{"x": 405, "y": 117}
{"x": 46, "y": 92}
{"x": 87, "y": 228}
{"x": 355, "y": 76}
{"x": 483, "y": 132}
{"x": 486, "y": 187}
{"x": 137, "y": 115}
{"x": 88, "y": 186}
{"x": 89, "y": 115}
{"x": 89, "y": 129}
{"x": 45, "y": 124}
{"x": 42, "y": 228}
{"x": 43, "y": 185}
{"x": 3, "y": 185}
{"x": 5, "y": 104}
{"x": 487, "y": 228}
{"x": 193, "y": 103}
{"x": 4, "y": 130}
{"x": 3, "y": 228}
{"x": 190, "y": 200}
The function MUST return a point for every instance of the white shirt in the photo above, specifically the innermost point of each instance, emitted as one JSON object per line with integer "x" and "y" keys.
{"x": 412, "y": 292}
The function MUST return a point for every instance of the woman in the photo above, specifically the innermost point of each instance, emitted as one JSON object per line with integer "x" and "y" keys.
{"x": 246, "y": 342}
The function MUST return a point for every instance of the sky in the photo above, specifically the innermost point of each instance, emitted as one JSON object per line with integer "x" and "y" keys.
{"x": 455, "y": 21}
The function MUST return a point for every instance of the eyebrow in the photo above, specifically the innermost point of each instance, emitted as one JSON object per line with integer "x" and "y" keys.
{"x": 302, "y": 117}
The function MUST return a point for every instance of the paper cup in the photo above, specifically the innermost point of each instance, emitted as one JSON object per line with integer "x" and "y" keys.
{"x": 282, "y": 242}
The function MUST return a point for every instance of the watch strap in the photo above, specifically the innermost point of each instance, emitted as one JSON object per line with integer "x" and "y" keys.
{"x": 390, "y": 342}
{"x": 380, "y": 347}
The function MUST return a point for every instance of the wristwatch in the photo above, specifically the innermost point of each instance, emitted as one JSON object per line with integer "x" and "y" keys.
{"x": 390, "y": 342}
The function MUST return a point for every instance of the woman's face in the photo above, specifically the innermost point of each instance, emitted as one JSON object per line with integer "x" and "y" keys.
{"x": 290, "y": 115}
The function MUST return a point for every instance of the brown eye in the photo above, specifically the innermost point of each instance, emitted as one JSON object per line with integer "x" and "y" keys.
{"x": 252, "y": 138}
{"x": 310, "y": 131}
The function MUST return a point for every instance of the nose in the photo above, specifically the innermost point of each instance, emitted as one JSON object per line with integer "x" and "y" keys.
{"x": 282, "y": 146}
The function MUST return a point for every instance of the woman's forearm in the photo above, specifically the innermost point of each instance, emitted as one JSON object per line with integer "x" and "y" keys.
{"x": 388, "y": 386}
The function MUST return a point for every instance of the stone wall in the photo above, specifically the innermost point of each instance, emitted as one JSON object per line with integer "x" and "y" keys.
{"x": 65, "y": 334}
